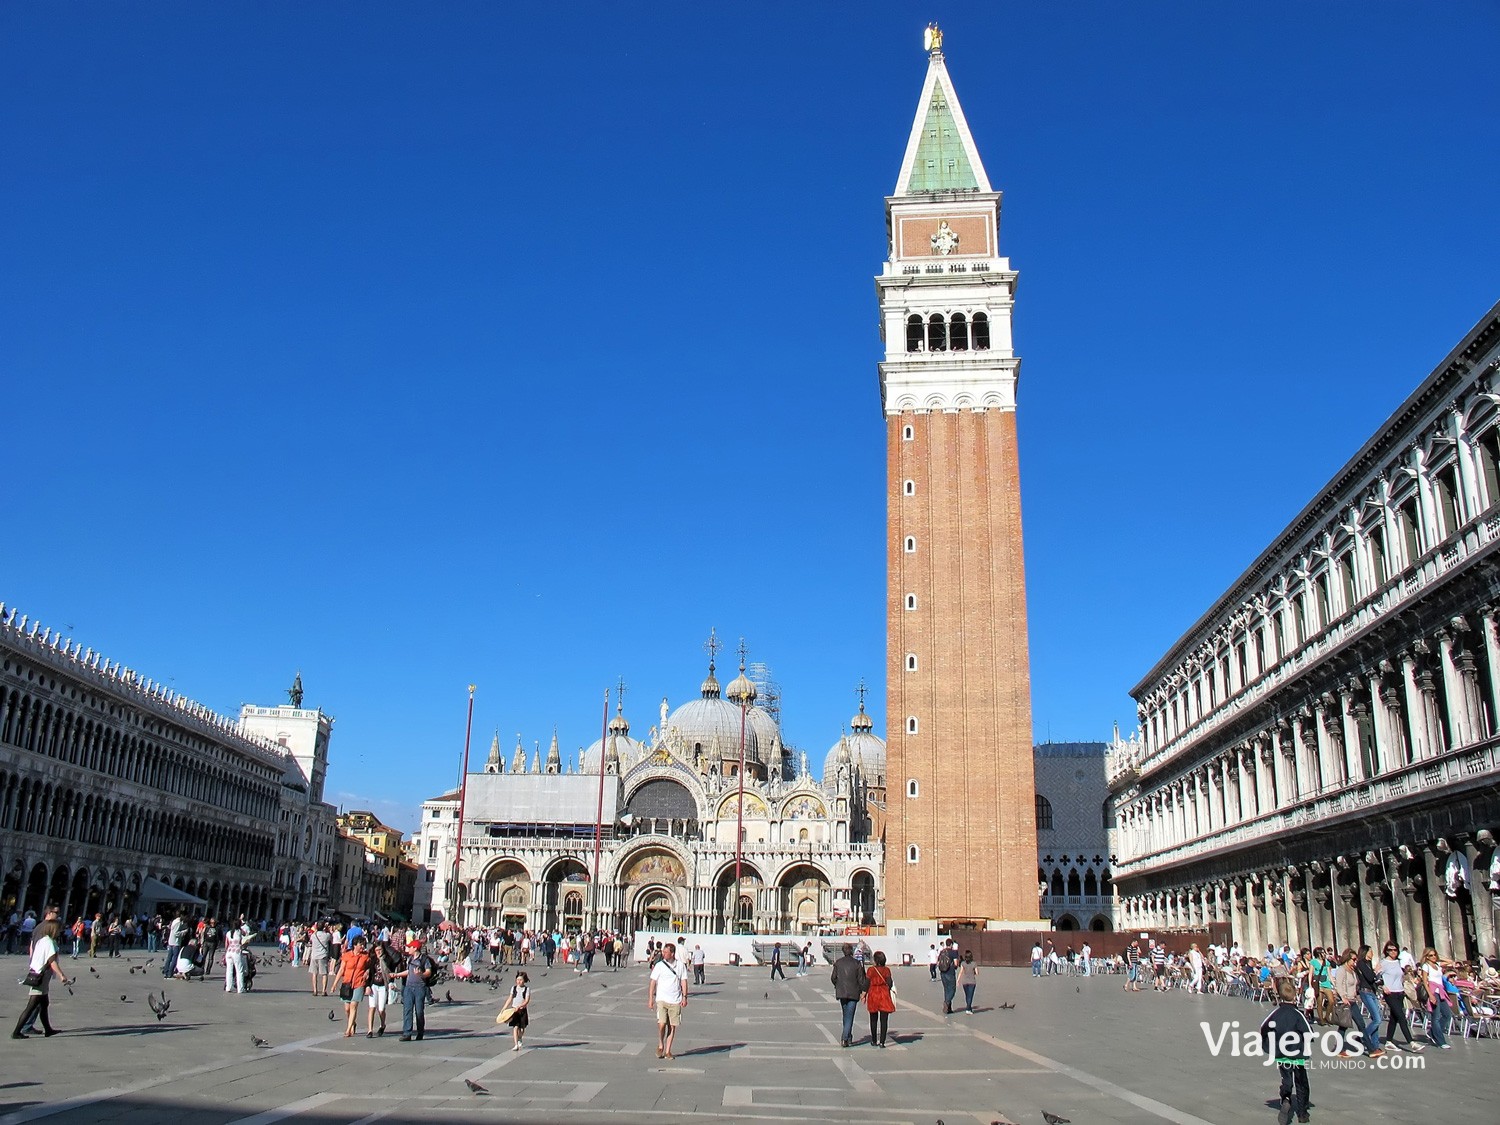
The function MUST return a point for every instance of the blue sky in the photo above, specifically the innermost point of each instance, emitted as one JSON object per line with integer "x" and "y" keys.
{"x": 416, "y": 346}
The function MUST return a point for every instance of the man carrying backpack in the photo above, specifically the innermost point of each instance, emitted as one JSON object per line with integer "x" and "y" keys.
{"x": 947, "y": 967}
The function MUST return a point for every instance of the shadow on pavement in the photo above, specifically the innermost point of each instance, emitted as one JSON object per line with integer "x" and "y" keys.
{"x": 715, "y": 1049}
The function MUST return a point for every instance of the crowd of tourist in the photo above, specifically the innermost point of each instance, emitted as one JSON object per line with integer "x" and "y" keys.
{"x": 1352, "y": 990}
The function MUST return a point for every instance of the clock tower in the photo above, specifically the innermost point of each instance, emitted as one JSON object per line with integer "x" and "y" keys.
{"x": 961, "y": 816}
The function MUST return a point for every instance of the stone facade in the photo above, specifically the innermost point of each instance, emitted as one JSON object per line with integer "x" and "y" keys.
{"x": 960, "y": 829}
{"x": 670, "y": 812}
{"x": 1320, "y": 762}
{"x": 108, "y": 779}
{"x": 1073, "y": 838}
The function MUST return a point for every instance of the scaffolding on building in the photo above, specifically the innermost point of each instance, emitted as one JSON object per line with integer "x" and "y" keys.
{"x": 767, "y": 690}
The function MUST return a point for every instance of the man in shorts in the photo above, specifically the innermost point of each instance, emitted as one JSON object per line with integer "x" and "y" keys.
{"x": 320, "y": 958}
{"x": 667, "y": 995}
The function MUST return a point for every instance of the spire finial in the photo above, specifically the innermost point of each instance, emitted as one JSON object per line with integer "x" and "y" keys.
{"x": 932, "y": 40}
{"x": 712, "y": 647}
{"x": 620, "y": 699}
{"x": 861, "y": 690}
{"x": 743, "y": 653}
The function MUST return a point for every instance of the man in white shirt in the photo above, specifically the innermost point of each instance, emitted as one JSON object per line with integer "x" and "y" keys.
{"x": 1088, "y": 955}
{"x": 1036, "y": 959}
{"x": 667, "y": 995}
{"x": 700, "y": 963}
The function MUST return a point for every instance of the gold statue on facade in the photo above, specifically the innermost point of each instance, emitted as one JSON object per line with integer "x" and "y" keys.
{"x": 932, "y": 38}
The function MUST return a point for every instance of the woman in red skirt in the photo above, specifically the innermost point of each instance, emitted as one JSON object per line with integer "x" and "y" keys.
{"x": 878, "y": 999}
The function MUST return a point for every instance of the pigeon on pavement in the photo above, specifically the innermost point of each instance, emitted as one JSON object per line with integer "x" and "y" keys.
{"x": 1054, "y": 1119}
{"x": 474, "y": 1087}
{"x": 332, "y": 1014}
{"x": 257, "y": 1041}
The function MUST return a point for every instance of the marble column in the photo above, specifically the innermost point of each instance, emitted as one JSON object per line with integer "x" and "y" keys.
{"x": 1356, "y": 712}
{"x": 1306, "y": 755}
{"x": 1460, "y": 726}
{"x": 1285, "y": 752}
{"x": 1473, "y": 698}
{"x": 1392, "y": 748}
{"x": 1489, "y": 643}
{"x": 1433, "y": 863}
{"x": 1437, "y": 736}
{"x": 1329, "y": 724}
{"x": 1265, "y": 777}
{"x": 1480, "y": 851}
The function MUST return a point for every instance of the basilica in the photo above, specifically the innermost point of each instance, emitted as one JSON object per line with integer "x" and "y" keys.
{"x": 711, "y": 824}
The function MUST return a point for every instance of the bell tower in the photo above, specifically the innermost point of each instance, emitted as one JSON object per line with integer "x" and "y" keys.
{"x": 960, "y": 809}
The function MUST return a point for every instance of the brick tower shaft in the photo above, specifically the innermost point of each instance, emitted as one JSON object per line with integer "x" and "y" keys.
{"x": 961, "y": 823}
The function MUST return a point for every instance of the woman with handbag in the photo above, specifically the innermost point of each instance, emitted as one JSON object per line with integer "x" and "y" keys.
{"x": 354, "y": 977}
{"x": 516, "y": 1012}
{"x": 383, "y": 964}
{"x": 878, "y": 999}
{"x": 1439, "y": 1011}
{"x": 40, "y": 970}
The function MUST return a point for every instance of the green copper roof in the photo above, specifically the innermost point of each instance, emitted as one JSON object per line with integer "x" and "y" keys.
{"x": 941, "y": 163}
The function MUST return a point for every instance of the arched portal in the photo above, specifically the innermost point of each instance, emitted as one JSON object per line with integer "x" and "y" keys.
{"x": 654, "y": 911}
{"x": 1066, "y": 922}
{"x": 504, "y": 893}
{"x": 862, "y": 899}
{"x": 738, "y": 899}
{"x": 57, "y": 893}
{"x": 36, "y": 889}
{"x": 1100, "y": 923}
{"x": 805, "y": 900}
{"x": 566, "y": 876}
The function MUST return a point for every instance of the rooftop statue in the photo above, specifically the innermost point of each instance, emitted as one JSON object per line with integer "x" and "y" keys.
{"x": 294, "y": 693}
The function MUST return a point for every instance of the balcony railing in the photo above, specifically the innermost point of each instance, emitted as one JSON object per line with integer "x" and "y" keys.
{"x": 1464, "y": 765}
{"x": 1389, "y": 599}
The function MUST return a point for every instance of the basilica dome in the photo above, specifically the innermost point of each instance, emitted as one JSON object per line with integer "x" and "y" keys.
{"x": 861, "y": 749}
{"x": 711, "y": 725}
{"x": 627, "y": 750}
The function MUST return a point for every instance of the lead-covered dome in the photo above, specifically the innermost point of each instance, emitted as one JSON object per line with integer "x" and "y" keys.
{"x": 710, "y": 726}
{"x": 862, "y": 750}
{"x": 623, "y": 751}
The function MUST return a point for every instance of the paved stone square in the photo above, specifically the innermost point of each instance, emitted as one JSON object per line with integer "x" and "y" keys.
{"x": 751, "y": 1050}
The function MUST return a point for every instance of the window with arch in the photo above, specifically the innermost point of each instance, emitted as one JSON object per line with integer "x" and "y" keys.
{"x": 981, "y": 332}
{"x": 958, "y": 333}
{"x": 911, "y": 601}
{"x": 915, "y": 337}
{"x": 912, "y": 788}
{"x": 911, "y": 544}
{"x": 913, "y": 853}
{"x": 911, "y": 662}
{"x": 1043, "y": 812}
{"x": 908, "y": 488}
{"x": 907, "y": 433}
{"x": 937, "y": 333}
{"x": 911, "y": 724}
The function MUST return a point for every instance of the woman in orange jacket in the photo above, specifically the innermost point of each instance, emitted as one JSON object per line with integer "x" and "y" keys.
{"x": 354, "y": 976}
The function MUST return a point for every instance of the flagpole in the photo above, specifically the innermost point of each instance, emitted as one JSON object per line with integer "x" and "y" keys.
{"x": 463, "y": 793}
{"x": 599, "y": 810}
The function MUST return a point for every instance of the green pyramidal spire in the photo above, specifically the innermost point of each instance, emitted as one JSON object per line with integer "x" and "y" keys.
{"x": 940, "y": 154}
